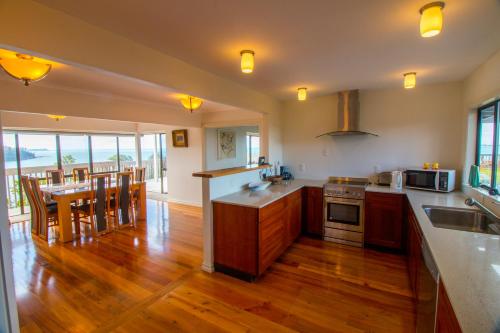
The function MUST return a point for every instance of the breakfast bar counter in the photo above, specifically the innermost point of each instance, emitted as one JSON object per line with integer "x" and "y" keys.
{"x": 262, "y": 198}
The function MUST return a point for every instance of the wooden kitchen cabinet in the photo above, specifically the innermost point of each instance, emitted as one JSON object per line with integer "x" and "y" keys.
{"x": 414, "y": 250}
{"x": 384, "y": 222}
{"x": 313, "y": 211}
{"x": 248, "y": 240}
{"x": 446, "y": 321}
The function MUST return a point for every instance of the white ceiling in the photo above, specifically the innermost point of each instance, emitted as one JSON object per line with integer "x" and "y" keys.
{"x": 101, "y": 83}
{"x": 326, "y": 45}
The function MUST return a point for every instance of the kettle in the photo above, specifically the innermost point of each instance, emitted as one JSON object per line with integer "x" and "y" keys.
{"x": 396, "y": 180}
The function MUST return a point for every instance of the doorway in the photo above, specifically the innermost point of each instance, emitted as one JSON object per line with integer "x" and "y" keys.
{"x": 154, "y": 159}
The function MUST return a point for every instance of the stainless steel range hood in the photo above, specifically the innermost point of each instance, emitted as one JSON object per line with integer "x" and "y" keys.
{"x": 348, "y": 115}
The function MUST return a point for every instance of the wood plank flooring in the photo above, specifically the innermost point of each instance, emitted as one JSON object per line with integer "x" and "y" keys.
{"x": 148, "y": 280}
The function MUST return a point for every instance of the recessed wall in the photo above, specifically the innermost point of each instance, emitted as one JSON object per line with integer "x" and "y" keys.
{"x": 212, "y": 161}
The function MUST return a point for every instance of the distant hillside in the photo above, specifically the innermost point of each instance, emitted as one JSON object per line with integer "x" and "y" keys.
{"x": 10, "y": 154}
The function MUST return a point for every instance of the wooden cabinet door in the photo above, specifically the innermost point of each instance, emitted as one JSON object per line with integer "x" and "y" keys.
{"x": 272, "y": 238}
{"x": 313, "y": 211}
{"x": 294, "y": 220}
{"x": 235, "y": 237}
{"x": 446, "y": 320}
{"x": 384, "y": 220}
{"x": 414, "y": 251}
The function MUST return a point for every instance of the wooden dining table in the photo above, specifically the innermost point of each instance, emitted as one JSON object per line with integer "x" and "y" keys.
{"x": 63, "y": 195}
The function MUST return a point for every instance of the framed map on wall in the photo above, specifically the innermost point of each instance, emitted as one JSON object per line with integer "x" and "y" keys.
{"x": 226, "y": 144}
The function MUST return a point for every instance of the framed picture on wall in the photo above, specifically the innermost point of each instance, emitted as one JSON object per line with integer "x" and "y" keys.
{"x": 226, "y": 144}
{"x": 180, "y": 138}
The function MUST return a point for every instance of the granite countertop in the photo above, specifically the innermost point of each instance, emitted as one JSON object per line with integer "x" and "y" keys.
{"x": 259, "y": 199}
{"x": 384, "y": 189}
{"x": 468, "y": 263}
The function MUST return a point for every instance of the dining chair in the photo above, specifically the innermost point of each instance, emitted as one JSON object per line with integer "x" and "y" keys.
{"x": 47, "y": 213}
{"x": 80, "y": 175}
{"x": 97, "y": 209}
{"x": 140, "y": 174}
{"x": 55, "y": 177}
{"x": 31, "y": 200}
{"x": 124, "y": 208}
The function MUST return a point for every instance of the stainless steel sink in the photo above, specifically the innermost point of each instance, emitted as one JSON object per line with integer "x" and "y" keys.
{"x": 461, "y": 219}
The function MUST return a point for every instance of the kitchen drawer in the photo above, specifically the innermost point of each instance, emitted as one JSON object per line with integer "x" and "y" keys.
{"x": 272, "y": 209}
{"x": 344, "y": 234}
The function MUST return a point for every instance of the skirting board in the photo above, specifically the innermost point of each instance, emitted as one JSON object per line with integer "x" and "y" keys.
{"x": 208, "y": 268}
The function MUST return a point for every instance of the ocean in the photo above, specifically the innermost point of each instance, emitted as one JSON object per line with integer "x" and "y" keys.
{"x": 49, "y": 157}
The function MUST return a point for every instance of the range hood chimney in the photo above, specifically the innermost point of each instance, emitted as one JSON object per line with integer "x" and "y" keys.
{"x": 348, "y": 115}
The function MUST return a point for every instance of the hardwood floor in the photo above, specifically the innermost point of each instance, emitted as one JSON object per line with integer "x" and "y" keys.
{"x": 148, "y": 280}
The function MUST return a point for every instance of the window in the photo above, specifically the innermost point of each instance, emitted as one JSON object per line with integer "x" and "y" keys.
{"x": 253, "y": 148}
{"x": 38, "y": 153}
{"x": 128, "y": 153}
{"x": 74, "y": 152}
{"x": 487, "y": 152}
{"x": 104, "y": 153}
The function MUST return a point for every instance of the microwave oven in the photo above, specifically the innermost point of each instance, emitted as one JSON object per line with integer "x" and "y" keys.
{"x": 440, "y": 180}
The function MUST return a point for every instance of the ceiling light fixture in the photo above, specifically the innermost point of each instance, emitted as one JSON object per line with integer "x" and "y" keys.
{"x": 191, "y": 103}
{"x": 56, "y": 117}
{"x": 410, "y": 80}
{"x": 431, "y": 19}
{"x": 302, "y": 94}
{"x": 247, "y": 61}
{"x": 23, "y": 67}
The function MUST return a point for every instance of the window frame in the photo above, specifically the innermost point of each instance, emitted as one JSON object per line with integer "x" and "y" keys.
{"x": 249, "y": 137}
{"x": 494, "y": 151}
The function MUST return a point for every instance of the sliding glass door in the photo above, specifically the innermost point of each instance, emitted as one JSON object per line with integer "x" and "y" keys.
{"x": 154, "y": 159}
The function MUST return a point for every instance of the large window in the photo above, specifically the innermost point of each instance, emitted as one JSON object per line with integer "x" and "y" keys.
{"x": 38, "y": 153}
{"x": 74, "y": 152}
{"x": 32, "y": 153}
{"x": 128, "y": 155}
{"x": 487, "y": 152}
{"x": 104, "y": 153}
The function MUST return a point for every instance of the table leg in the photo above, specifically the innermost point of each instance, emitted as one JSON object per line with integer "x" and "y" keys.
{"x": 142, "y": 202}
{"x": 64, "y": 217}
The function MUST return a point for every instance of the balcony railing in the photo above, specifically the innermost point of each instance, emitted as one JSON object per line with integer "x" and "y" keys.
{"x": 13, "y": 196}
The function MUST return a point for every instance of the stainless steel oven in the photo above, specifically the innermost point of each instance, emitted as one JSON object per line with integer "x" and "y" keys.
{"x": 345, "y": 214}
{"x": 344, "y": 205}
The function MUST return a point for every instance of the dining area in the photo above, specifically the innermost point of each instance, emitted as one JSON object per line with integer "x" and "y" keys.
{"x": 65, "y": 207}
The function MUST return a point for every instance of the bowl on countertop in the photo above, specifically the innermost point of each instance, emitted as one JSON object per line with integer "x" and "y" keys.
{"x": 259, "y": 186}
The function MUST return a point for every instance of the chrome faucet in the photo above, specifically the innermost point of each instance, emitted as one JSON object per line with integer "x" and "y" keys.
{"x": 492, "y": 216}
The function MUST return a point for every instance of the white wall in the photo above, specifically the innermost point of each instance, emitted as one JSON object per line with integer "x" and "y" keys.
{"x": 480, "y": 86}
{"x": 211, "y": 134}
{"x": 181, "y": 163}
{"x": 414, "y": 126}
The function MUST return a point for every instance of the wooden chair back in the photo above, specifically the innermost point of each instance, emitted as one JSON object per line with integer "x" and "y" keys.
{"x": 80, "y": 175}
{"x": 100, "y": 215}
{"x": 126, "y": 216}
{"x": 55, "y": 177}
{"x": 33, "y": 207}
{"x": 140, "y": 174}
{"x": 41, "y": 207}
